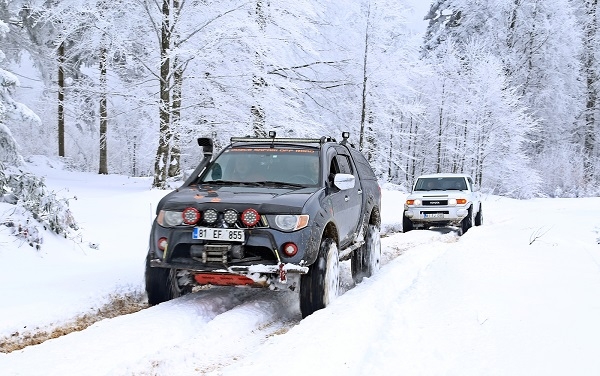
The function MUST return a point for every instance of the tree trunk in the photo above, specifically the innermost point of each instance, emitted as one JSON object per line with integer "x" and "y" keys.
{"x": 510, "y": 42}
{"x": 175, "y": 162}
{"x": 61, "y": 98}
{"x": 409, "y": 158}
{"x": 103, "y": 112}
{"x": 258, "y": 81}
{"x": 363, "y": 110}
{"x": 391, "y": 155}
{"x": 438, "y": 167}
{"x": 162, "y": 161}
{"x": 591, "y": 78}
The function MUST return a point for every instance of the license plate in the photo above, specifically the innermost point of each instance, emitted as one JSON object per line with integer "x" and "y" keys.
{"x": 226, "y": 234}
{"x": 433, "y": 215}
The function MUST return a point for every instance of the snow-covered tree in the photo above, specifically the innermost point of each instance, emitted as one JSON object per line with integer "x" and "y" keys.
{"x": 591, "y": 76}
{"x": 9, "y": 108}
{"x": 18, "y": 187}
{"x": 539, "y": 44}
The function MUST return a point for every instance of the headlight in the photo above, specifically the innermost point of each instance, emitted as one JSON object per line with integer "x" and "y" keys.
{"x": 452, "y": 201}
{"x": 289, "y": 222}
{"x": 416, "y": 202}
{"x": 168, "y": 218}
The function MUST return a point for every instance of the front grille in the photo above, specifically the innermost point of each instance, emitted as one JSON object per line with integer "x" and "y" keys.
{"x": 435, "y": 202}
{"x": 230, "y": 254}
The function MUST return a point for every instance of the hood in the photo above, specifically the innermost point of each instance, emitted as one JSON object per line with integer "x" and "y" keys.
{"x": 264, "y": 199}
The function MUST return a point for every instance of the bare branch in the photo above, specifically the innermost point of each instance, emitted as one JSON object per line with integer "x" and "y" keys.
{"x": 207, "y": 23}
{"x": 538, "y": 234}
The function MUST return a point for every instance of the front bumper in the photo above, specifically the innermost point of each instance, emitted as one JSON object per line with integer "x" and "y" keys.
{"x": 444, "y": 215}
{"x": 280, "y": 276}
{"x": 258, "y": 261}
{"x": 261, "y": 245}
{"x": 196, "y": 267}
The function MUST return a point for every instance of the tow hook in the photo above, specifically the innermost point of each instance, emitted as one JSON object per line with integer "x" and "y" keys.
{"x": 282, "y": 273}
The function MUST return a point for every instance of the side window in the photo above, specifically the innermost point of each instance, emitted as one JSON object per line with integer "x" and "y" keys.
{"x": 470, "y": 182}
{"x": 334, "y": 168}
{"x": 362, "y": 165}
{"x": 344, "y": 163}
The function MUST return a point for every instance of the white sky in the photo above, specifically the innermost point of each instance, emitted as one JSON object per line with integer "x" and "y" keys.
{"x": 420, "y": 7}
{"x": 486, "y": 303}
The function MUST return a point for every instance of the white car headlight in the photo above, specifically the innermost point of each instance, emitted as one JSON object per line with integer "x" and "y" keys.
{"x": 452, "y": 201}
{"x": 167, "y": 218}
{"x": 291, "y": 222}
{"x": 414, "y": 202}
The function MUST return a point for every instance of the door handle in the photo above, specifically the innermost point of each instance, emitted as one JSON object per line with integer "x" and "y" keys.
{"x": 346, "y": 198}
{"x": 360, "y": 191}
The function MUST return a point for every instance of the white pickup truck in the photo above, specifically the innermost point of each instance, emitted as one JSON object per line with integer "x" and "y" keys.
{"x": 443, "y": 200}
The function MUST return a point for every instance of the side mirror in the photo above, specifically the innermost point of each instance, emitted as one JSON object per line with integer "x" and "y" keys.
{"x": 344, "y": 181}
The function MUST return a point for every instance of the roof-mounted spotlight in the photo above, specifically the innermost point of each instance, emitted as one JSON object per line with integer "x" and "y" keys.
{"x": 272, "y": 135}
{"x": 345, "y": 137}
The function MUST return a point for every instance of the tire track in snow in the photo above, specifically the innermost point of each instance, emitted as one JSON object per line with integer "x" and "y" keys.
{"x": 226, "y": 339}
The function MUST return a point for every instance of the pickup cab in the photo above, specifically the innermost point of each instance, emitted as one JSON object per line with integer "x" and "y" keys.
{"x": 268, "y": 212}
{"x": 443, "y": 200}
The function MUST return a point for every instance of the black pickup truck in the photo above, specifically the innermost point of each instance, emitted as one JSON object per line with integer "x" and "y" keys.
{"x": 268, "y": 212}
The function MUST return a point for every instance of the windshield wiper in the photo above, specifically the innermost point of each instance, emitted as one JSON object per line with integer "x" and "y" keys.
{"x": 254, "y": 183}
{"x": 282, "y": 184}
{"x": 223, "y": 182}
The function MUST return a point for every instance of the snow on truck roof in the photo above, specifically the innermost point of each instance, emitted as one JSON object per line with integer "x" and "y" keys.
{"x": 445, "y": 175}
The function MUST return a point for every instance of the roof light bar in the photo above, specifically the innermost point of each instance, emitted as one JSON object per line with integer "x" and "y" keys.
{"x": 291, "y": 140}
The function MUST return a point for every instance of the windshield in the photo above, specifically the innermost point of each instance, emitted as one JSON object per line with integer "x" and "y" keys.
{"x": 441, "y": 184}
{"x": 274, "y": 165}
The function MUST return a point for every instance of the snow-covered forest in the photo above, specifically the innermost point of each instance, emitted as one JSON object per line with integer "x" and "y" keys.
{"x": 505, "y": 90}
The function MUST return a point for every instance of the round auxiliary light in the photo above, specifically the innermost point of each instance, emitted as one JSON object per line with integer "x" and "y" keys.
{"x": 230, "y": 216}
{"x": 210, "y": 216}
{"x": 250, "y": 217}
{"x": 190, "y": 216}
{"x": 290, "y": 249}
{"x": 162, "y": 244}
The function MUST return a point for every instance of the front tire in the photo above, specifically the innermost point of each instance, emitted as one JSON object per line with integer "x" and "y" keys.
{"x": 163, "y": 284}
{"x": 407, "y": 224}
{"x": 321, "y": 285}
{"x": 366, "y": 260}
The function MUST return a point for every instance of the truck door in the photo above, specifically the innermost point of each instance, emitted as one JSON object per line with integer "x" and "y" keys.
{"x": 347, "y": 203}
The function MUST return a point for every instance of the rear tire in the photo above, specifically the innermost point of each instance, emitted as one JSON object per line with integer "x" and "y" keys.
{"x": 321, "y": 285}
{"x": 367, "y": 259}
{"x": 479, "y": 216}
{"x": 407, "y": 224}
{"x": 163, "y": 284}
